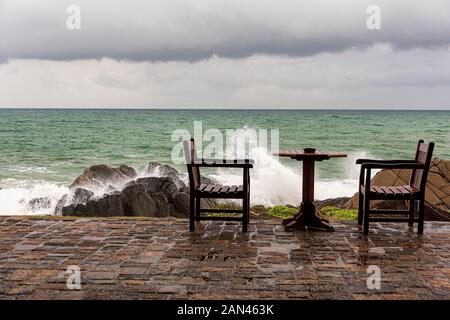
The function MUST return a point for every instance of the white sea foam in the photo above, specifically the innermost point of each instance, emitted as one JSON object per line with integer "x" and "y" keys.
{"x": 272, "y": 183}
{"x": 15, "y": 196}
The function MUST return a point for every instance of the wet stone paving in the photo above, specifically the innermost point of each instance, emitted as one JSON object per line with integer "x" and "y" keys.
{"x": 160, "y": 259}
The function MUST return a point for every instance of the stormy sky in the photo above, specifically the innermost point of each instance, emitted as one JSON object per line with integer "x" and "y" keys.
{"x": 225, "y": 54}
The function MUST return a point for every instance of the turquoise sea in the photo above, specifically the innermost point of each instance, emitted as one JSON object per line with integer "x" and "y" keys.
{"x": 42, "y": 151}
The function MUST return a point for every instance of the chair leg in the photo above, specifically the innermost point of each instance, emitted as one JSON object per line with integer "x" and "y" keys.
{"x": 421, "y": 215}
{"x": 197, "y": 209}
{"x": 248, "y": 208}
{"x": 412, "y": 211}
{"x": 191, "y": 213}
{"x": 366, "y": 214}
{"x": 245, "y": 214}
{"x": 360, "y": 208}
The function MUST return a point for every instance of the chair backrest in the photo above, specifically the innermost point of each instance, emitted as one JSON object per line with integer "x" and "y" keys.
{"x": 423, "y": 156}
{"x": 190, "y": 154}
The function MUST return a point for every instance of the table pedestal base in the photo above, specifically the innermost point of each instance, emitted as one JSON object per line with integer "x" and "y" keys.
{"x": 307, "y": 218}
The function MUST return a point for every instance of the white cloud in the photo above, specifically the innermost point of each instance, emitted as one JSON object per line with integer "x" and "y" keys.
{"x": 225, "y": 53}
{"x": 376, "y": 78}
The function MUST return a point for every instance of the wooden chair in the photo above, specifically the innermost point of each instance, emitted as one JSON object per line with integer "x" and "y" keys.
{"x": 200, "y": 190}
{"x": 414, "y": 192}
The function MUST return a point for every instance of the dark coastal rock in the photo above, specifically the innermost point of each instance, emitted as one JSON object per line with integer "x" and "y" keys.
{"x": 181, "y": 200}
{"x": 39, "y": 204}
{"x": 108, "y": 206}
{"x": 131, "y": 190}
{"x": 61, "y": 204}
{"x": 115, "y": 205}
{"x": 150, "y": 185}
{"x": 102, "y": 176}
{"x": 209, "y": 180}
{"x": 82, "y": 195}
{"x": 340, "y": 202}
{"x": 151, "y": 196}
{"x": 161, "y": 194}
{"x": 184, "y": 189}
{"x": 258, "y": 209}
{"x": 158, "y": 169}
{"x": 145, "y": 197}
{"x": 172, "y": 211}
{"x": 157, "y": 184}
{"x": 136, "y": 201}
{"x": 77, "y": 196}
{"x": 90, "y": 209}
{"x": 141, "y": 204}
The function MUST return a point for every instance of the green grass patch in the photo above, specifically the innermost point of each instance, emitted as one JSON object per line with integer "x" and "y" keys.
{"x": 221, "y": 215}
{"x": 282, "y": 211}
{"x": 331, "y": 212}
{"x": 339, "y": 214}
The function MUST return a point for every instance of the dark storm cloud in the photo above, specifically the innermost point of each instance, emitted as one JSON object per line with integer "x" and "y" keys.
{"x": 190, "y": 30}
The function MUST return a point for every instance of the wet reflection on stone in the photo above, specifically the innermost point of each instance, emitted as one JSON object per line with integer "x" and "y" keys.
{"x": 160, "y": 259}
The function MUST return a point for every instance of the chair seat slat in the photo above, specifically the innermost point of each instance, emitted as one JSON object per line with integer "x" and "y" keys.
{"x": 219, "y": 189}
{"x": 411, "y": 189}
{"x": 395, "y": 190}
{"x": 386, "y": 190}
{"x": 376, "y": 189}
{"x": 403, "y": 190}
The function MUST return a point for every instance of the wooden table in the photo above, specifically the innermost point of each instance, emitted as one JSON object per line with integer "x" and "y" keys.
{"x": 307, "y": 216}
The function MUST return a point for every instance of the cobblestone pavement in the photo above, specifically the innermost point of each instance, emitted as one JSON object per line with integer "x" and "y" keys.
{"x": 160, "y": 259}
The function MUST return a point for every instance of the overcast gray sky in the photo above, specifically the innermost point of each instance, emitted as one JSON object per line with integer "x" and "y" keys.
{"x": 225, "y": 54}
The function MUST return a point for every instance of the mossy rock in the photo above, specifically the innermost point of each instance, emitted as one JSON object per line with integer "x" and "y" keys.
{"x": 259, "y": 209}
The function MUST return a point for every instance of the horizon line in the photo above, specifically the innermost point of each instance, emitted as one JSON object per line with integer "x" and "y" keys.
{"x": 225, "y": 109}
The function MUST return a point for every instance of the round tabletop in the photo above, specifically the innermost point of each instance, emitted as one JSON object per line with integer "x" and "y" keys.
{"x": 318, "y": 155}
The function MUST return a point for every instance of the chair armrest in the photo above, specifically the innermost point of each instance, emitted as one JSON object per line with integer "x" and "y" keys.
{"x": 361, "y": 161}
{"x": 229, "y": 160}
{"x": 224, "y": 163}
{"x": 396, "y": 165}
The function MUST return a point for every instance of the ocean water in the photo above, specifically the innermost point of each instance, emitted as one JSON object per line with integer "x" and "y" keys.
{"x": 43, "y": 151}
